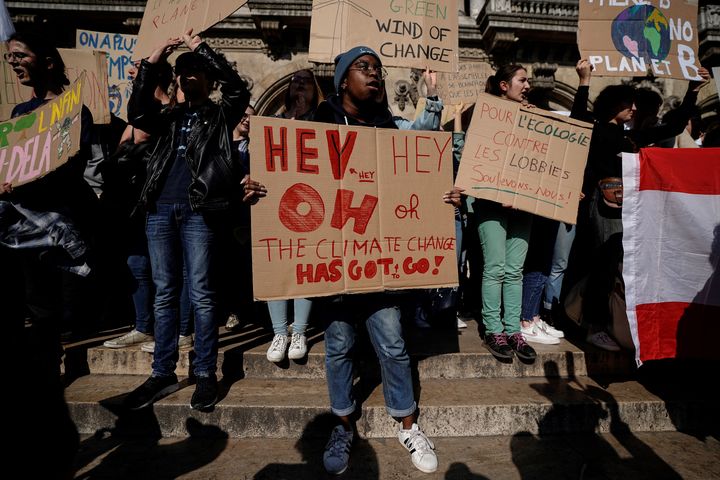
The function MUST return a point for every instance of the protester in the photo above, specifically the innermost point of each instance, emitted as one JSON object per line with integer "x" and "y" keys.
{"x": 361, "y": 100}
{"x": 240, "y": 254}
{"x": 504, "y": 234}
{"x": 45, "y": 230}
{"x": 536, "y": 271}
{"x": 689, "y": 136}
{"x": 192, "y": 176}
{"x": 302, "y": 96}
{"x": 602, "y": 185}
{"x": 547, "y": 261}
{"x": 301, "y": 100}
{"x": 124, "y": 175}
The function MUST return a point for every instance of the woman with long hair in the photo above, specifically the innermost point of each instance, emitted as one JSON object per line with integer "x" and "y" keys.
{"x": 504, "y": 234}
{"x": 301, "y": 100}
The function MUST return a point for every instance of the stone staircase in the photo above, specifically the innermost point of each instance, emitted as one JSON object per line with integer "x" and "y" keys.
{"x": 462, "y": 390}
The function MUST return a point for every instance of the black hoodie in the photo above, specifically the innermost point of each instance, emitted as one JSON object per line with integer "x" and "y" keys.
{"x": 331, "y": 111}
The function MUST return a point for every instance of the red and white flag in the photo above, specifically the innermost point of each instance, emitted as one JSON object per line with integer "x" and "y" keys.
{"x": 671, "y": 237}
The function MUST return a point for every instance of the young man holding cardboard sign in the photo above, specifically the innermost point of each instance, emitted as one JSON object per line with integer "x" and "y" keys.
{"x": 361, "y": 101}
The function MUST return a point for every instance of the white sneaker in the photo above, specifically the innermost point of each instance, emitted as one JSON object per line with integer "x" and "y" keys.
{"x": 276, "y": 352}
{"x": 133, "y": 337}
{"x": 232, "y": 322}
{"x": 184, "y": 341}
{"x": 603, "y": 340}
{"x": 337, "y": 451}
{"x": 547, "y": 328}
{"x": 460, "y": 323}
{"x": 534, "y": 334}
{"x": 420, "y": 447}
{"x": 298, "y": 346}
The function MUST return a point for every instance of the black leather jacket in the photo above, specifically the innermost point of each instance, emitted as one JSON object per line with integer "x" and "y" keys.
{"x": 214, "y": 166}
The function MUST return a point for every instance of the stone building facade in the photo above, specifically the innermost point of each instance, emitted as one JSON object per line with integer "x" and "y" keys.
{"x": 268, "y": 40}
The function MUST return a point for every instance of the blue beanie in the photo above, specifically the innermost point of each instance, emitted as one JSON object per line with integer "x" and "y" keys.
{"x": 344, "y": 60}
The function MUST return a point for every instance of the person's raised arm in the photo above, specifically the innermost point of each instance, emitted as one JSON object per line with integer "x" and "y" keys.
{"x": 143, "y": 109}
{"x": 431, "y": 116}
{"x": 235, "y": 95}
{"x": 678, "y": 122}
{"x": 579, "y": 108}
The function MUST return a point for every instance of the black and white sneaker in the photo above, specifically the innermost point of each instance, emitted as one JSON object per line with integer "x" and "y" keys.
{"x": 421, "y": 448}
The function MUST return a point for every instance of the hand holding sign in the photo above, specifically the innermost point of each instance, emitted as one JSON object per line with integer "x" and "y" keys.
{"x": 167, "y": 18}
{"x": 453, "y": 197}
{"x": 192, "y": 42}
{"x": 584, "y": 70}
{"x": 164, "y": 50}
{"x": 696, "y": 85}
{"x": 430, "y": 79}
{"x": 253, "y": 190}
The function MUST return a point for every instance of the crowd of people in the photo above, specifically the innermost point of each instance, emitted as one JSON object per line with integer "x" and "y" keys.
{"x": 171, "y": 194}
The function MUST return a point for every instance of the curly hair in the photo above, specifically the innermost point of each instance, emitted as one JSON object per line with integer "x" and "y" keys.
{"x": 612, "y": 100}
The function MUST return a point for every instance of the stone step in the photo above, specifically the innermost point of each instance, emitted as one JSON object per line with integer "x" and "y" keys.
{"x": 283, "y": 408}
{"x": 435, "y": 353}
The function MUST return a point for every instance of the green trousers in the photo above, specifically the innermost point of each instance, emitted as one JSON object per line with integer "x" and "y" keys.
{"x": 504, "y": 235}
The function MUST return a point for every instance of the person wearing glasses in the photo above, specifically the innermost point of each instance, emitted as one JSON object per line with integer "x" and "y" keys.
{"x": 49, "y": 221}
{"x": 361, "y": 101}
{"x": 192, "y": 175}
{"x": 46, "y": 228}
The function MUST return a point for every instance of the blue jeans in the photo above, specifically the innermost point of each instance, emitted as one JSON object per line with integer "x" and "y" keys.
{"x": 532, "y": 285}
{"x": 278, "y": 315}
{"x": 177, "y": 235}
{"x": 561, "y": 253}
{"x": 143, "y": 294}
{"x": 385, "y": 333}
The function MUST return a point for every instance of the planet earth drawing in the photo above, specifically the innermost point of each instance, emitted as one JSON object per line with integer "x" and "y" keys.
{"x": 642, "y": 31}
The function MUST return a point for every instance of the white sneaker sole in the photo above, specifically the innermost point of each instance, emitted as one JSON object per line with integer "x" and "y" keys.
{"x": 544, "y": 341}
{"x": 424, "y": 470}
{"x": 297, "y": 356}
{"x": 275, "y": 359}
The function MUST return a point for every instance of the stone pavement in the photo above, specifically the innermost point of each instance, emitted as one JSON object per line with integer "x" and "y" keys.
{"x": 640, "y": 455}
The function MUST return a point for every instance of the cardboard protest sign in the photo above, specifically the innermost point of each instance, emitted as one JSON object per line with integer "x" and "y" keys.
{"x": 465, "y": 85}
{"x": 165, "y": 19}
{"x": 624, "y": 38}
{"x": 35, "y": 144}
{"x": 404, "y": 34}
{"x": 528, "y": 158}
{"x": 119, "y": 48}
{"x": 95, "y": 89}
{"x": 349, "y": 209}
{"x": 716, "y": 76}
